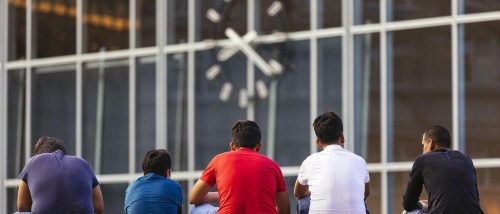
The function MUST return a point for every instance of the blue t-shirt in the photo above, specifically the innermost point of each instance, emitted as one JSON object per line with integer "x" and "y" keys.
{"x": 153, "y": 193}
{"x": 59, "y": 183}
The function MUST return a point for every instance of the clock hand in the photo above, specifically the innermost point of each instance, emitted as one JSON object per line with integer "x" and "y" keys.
{"x": 249, "y": 52}
{"x": 228, "y": 51}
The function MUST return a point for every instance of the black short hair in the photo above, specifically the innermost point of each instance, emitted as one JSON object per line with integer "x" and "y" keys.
{"x": 245, "y": 133}
{"x": 328, "y": 127}
{"x": 439, "y": 134}
{"x": 48, "y": 145}
{"x": 157, "y": 161}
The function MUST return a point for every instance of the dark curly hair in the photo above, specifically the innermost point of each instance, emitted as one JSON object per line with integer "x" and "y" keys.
{"x": 157, "y": 161}
{"x": 328, "y": 127}
{"x": 48, "y": 145}
{"x": 245, "y": 133}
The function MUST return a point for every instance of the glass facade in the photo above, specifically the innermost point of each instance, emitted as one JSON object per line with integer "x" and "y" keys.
{"x": 114, "y": 79}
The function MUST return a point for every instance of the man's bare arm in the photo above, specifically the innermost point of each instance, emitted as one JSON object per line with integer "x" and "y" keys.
{"x": 283, "y": 202}
{"x": 200, "y": 193}
{"x": 300, "y": 190}
{"x": 367, "y": 190}
{"x": 97, "y": 200}
{"x": 24, "y": 197}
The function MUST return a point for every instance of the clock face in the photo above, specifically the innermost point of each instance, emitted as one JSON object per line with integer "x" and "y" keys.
{"x": 268, "y": 58}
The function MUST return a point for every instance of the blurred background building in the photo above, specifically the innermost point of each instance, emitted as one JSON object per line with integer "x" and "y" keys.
{"x": 114, "y": 79}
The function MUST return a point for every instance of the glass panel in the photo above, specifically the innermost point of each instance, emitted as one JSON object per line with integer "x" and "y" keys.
{"x": 53, "y": 105}
{"x": 17, "y": 30}
{"x": 397, "y": 188}
{"x": 145, "y": 25}
{"x": 489, "y": 189}
{"x": 226, "y": 14}
{"x": 298, "y": 15}
{"x": 15, "y": 122}
{"x": 329, "y": 13}
{"x": 422, "y": 86}
{"x": 216, "y": 114}
{"x": 185, "y": 191}
{"x": 329, "y": 75}
{"x": 417, "y": 9}
{"x": 105, "y": 25}
{"x": 474, "y": 6}
{"x": 177, "y": 110}
{"x": 374, "y": 200}
{"x": 105, "y": 116}
{"x": 114, "y": 197}
{"x": 366, "y": 11}
{"x": 283, "y": 115}
{"x": 53, "y": 28}
{"x": 290, "y": 183}
{"x": 145, "y": 109}
{"x": 11, "y": 200}
{"x": 367, "y": 96}
{"x": 291, "y": 16}
{"x": 177, "y": 26}
{"x": 482, "y": 89}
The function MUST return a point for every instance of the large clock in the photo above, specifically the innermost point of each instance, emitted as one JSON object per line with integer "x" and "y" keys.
{"x": 270, "y": 59}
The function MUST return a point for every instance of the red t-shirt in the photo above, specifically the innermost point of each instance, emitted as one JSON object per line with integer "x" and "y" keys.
{"x": 246, "y": 180}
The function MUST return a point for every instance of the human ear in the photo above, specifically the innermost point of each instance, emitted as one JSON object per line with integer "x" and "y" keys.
{"x": 232, "y": 146}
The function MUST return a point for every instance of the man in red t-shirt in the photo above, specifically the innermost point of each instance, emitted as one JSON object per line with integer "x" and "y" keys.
{"x": 247, "y": 181}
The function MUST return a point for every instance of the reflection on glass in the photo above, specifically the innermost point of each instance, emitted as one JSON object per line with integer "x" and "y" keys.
{"x": 225, "y": 14}
{"x": 105, "y": 25}
{"x": 177, "y": 110}
{"x": 489, "y": 189}
{"x": 417, "y": 9}
{"x": 145, "y": 25}
{"x": 421, "y": 65}
{"x": 329, "y": 13}
{"x": 105, "y": 116}
{"x": 53, "y": 28}
{"x": 114, "y": 196}
{"x": 330, "y": 75}
{"x": 482, "y": 89}
{"x": 284, "y": 115}
{"x": 475, "y": 6}
{"x": 53, "y": 105}
{"x": 17, "y": 30}
{"x": 374, "y": 200}
{"x": 367, "y": 96}
{"x": 145, "y": 109}
{"x": 397, "y": 183}
{"x": 212, "y": 109}
{"x": 15, "y": 122}
{"x": 297, "y": 15}
{"x": 177, "y": 26}
{"x": 366, "y": 11}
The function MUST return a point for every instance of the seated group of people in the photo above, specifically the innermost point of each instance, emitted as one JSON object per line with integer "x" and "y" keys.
{"x": 334, "y": 180}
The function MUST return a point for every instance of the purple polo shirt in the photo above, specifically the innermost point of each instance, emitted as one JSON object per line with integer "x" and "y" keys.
{"x": 59, "y": 183}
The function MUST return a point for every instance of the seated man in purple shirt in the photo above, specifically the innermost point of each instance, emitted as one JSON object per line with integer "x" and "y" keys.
{"x": 53, "y": 182}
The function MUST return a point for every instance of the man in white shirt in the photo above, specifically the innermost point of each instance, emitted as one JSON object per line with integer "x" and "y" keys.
{"x": 335, "y": 179}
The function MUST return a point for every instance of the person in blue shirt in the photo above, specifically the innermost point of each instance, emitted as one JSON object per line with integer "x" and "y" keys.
{"x": 154, "y": 192}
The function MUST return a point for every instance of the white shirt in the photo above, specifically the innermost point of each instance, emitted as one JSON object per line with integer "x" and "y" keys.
{"x": 336, "y": 178}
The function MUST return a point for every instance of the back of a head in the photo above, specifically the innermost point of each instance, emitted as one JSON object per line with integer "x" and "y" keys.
{"x": 48, "y": 145}
{"x": 157, "y": 161}
{"x": 439, "y": 134}
{"x": 328, "y": 127}
{"x": 245, "y": 133}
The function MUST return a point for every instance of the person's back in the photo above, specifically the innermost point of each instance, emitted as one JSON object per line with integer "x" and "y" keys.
{"x": 246, "y": 180}
{"x": 449, "y": 177}
{"x": 332, "y": 173}
{"x": 450, "y": 180}
{"x": 59, "y": 183}
{"x": 153, "y": 193}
